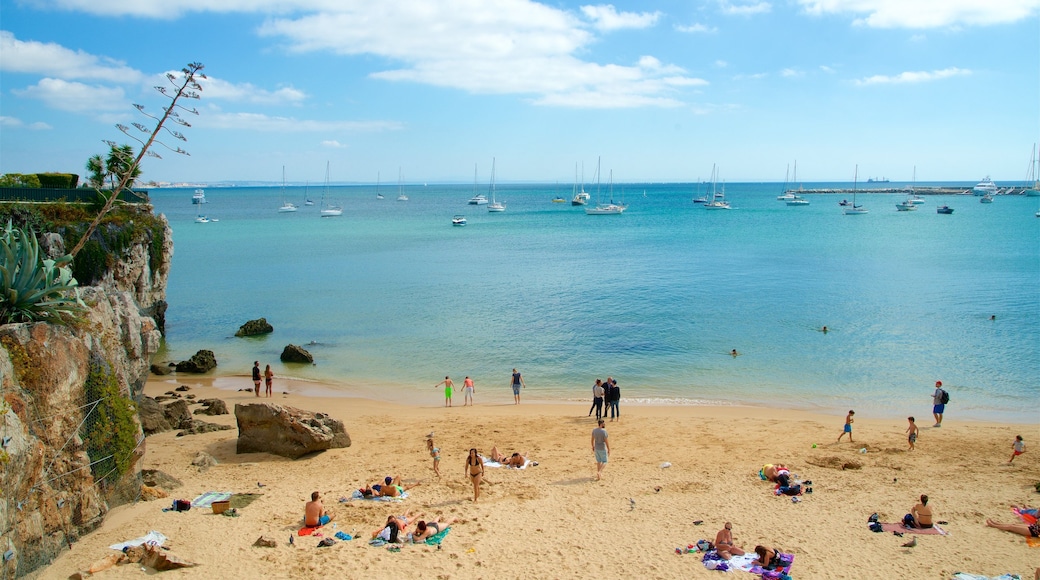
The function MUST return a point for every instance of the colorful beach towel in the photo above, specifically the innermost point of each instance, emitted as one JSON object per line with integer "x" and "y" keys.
{"x": 206, "y": 500}
{"x": 966, "y": 576}
{"x": 897, "y": 527}
{"x": 1029, "y": 517}
{"x": 744, "y": 563}
{"x": 435, "y": 540}
{"x": 358, "y": 495}
{"x": 152, "y": 538}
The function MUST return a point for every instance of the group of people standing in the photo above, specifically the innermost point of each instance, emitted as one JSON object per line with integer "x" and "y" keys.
{"x": 605, "y": 398}
{"x": 267, "y": 375}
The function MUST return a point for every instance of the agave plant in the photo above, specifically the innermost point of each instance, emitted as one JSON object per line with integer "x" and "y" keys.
{"x": 32, "y": 288}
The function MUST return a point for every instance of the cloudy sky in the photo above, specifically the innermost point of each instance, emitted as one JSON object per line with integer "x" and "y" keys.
{"x": 659, "y": 89}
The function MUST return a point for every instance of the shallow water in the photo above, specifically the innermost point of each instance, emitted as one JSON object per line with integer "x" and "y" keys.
{"x": 390, "y": 298}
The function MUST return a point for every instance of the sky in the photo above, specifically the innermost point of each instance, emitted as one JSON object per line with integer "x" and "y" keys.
{"x": 659, "y": 90}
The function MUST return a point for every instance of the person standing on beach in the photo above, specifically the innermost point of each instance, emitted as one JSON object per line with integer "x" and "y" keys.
{"x": 518, "y": 383}
{"x": 256, "y": 377}
{"x": 911, "y": 433}
{"x": 268, "y": 379}
{"x": 613, "y": 399}
{"x": 1017, "y": 448}
{"x": 448, "y": 387}
{"x": 435, "y": 453}
{"x": 848, "y": 426}
{"x": 600, "y": 447}
{"x": 937, "y": 404}
{"x": 597, "y": 399}
{"x": 467, "y": 391}
{"x": 475, "y": 471}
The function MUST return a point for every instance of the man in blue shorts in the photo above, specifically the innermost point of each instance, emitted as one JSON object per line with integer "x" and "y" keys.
{"x": 937, "y": 405}
{"x": 518, "y": 383}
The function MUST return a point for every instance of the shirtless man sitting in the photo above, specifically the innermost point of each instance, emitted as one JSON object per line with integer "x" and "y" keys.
{"x": 724, "y": 543}
{"x": 315, "y": 513}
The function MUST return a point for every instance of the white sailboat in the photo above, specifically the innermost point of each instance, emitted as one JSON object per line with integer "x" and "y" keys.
{"x": 1034, "y": 175}
{"x": 287, "y": 206}
{"x": 400, "y": 193}
{"x": 494, "y": 206}
{"x": 581, "y": 197}
{"x": 378, "y": 195}
{"x": 608, "y": 208}
{"x": 327, "y": 209}
{"x": 854, "y": 209}
{"x": 911, "y": 202}
{"x": 718, "y": 197}
{"x": 306, "y": 194}
{"x": 478, "y": 198}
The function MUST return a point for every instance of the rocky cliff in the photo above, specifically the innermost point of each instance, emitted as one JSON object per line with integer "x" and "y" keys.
{"x": 70, "y": 433}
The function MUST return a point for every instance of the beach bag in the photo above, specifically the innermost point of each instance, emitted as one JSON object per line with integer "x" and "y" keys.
{"x": 791, "y": 490}
{"x": 944, "y": 397}
{"x": 181, "y": 505}
{"x": 908, "y": 521}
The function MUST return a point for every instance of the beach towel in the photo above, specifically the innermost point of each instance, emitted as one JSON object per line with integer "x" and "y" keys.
{"x": 744, "y": 563}
{"x": 435, "y": 540}
{"x": 489, "y": 463}
{"x": 898, "y": 527}
{"x": 966, "y": 576}
{"x": 358, "y": 495}
{"x": 152, "y": 538}
{"x": 307, "y": 530}
{"x": 206, "y": 500}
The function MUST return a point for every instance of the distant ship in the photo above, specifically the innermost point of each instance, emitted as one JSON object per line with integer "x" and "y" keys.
{"x": 877, "y": 180}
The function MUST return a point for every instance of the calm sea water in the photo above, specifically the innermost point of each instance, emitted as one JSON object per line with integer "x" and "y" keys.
{"x": 390, "y": 298}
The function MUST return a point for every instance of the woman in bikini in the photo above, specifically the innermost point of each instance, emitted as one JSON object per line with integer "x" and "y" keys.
{"x": 767, "y": 558}
{"x": 435, "y": 453}
{"x": 427, "y": 529}
{"x": 268, "y": 376}
{"x": 724, "y": 543}
{"x": 475, "y": 471}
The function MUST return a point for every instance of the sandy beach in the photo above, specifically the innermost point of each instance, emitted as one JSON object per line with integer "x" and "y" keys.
{"x": 554, "y": 520}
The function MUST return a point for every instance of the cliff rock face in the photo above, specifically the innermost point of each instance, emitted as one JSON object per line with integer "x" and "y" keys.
{"x": 49, "y": 490}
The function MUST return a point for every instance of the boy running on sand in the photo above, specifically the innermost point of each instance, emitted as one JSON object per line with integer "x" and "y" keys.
{"x": 1018, "y": 448}
{"x": 848, "y": 426}
{"x": 911, "y": 431}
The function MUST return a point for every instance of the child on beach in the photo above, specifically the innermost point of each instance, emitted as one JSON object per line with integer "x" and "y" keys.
{"x": 848, "y": 426}
{"x": 1018, "y": 448}
{"x": 911, "y": 431}
{"x": 435, "y": 453}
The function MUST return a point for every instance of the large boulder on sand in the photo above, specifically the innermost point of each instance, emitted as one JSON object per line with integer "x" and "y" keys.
{"x": 296, "y": 354}
{"x": 212, "y": 407}
{"x": 286, "y": 431}
{"x": 255, "y": 327}
{"x": 202, "y": 362}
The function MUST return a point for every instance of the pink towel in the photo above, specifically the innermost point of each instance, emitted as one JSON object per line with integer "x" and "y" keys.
{"x": 932, "y": 531}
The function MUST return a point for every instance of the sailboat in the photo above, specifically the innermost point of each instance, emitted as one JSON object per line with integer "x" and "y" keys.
{"x": 718, "y": 198}
{"x": 609, "y": 208}
{"x": 910, "y": 203}
{"x": 493, "y": 205}
{"x": 478, "y": 198}
{"x": 580, "y": 196}
{"x": 854, "y": 209}
{"x": 400, "y": 193}
{"x": 1034, "y": 176}
{"x": 328, "y": 210}
{"x": 287, "y": 206}
{"x": 378, "y": 195}
{"x": 306, "y": 194}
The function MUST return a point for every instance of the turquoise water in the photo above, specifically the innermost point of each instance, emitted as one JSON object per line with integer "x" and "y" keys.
{"x": 394, "y": 298}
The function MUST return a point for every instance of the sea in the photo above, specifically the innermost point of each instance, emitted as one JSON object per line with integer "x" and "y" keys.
{"x": 390, "y": 297}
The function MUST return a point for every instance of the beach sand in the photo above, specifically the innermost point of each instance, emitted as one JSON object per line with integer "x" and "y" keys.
{"x": 554, "y": 521}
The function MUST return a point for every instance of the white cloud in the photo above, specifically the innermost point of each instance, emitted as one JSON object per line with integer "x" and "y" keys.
{"x": 696, "y": 28}
{"x": 791, "y": 73}
{"x": 333, "y": 144}
{"x": 215, "y": 88}
{"x": 826, "y": 69}
{"x": 926, "y": 13}
{"x": 53, "y": 60}
{"x": 918, "y": 38}
{"x": 744, "y": 7}
{"x": 721, "y": 64}
{"x": 913, "y": 77}
{"x": 605, "y": 17}
{"x": 755, "y": 76}
{"x": 75, "y": 97}
{"x": 261, "y": 122}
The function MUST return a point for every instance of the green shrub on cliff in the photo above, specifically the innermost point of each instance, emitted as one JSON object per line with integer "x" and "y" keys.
{"x": 32, "y": 288}
{"x": 109, "y": 431}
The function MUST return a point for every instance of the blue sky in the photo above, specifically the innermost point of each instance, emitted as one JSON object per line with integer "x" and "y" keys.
{"x": 660, "y": 90}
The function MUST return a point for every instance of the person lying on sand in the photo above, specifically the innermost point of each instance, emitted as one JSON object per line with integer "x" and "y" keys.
{"x": 394, "y": 528}
{"x": 315, "y": 513}
{"x": 514, "y": 460}
{"x": 1028, "y": 530}
{"x": 429, "y": 528}
{"x": 771, "y": 472}
{"x": 391, "y": 487}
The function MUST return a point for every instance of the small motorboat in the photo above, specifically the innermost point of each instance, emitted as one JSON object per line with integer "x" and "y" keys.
{"x": 906, "y": 205}
{"x": 844, "y": 203}
{"x": 559, "y": 199}
{"x": 459, "y": 220}
{"x": 986, "y": 199}
{"x": 944, "y": 209}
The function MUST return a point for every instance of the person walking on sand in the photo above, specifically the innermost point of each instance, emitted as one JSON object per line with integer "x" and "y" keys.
{"x": 600, "y": 448}
{"x": 518, "y": 383}
{"x": 848, "y": 426}
{"x": 938, "y": 406}
{"x": 435, "y": 453}
{"x": 448, "y": 388}
{"x": 911, "y": 433}
{"x": 475, "y": 471}
{"x": 597, "y": 399}
{"x": 467, "y": 391}
{"x": 1017, "y": 448}
{"x": 269, "y": 379}
{"x": 256, "y": 377}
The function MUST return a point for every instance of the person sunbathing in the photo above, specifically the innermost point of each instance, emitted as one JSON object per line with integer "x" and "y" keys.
{"x": 391, "y": 487}
{"x": 497, "y": 456}
{"x": 767, "y": 558}
{"x": 771, "y": 472}
{"x": 724, "y": 543}
{"x": 429, "y": 528}
{"x": 315, "y": 513}
{"x": 394, "y": 528}
{"x": 1028, "y": 530}
{"x": 515, "y": 460}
